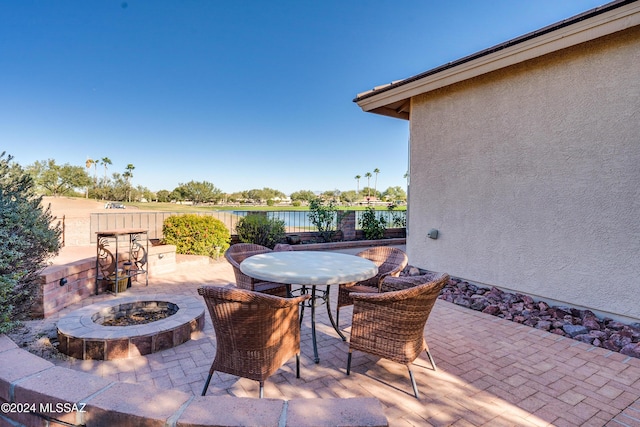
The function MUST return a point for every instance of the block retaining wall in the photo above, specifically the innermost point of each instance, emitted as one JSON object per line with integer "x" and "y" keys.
{"x": 80, "y": 279}
{"x": 52, "y": 393}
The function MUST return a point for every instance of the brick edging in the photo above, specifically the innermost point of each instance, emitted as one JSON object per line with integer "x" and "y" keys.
{"x": 30, "y": 382}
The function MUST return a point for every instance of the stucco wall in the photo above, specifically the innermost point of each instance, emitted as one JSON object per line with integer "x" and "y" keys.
{"x": 532, "y": 176}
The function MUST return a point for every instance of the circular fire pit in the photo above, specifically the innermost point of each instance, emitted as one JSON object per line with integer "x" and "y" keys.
{"x": 82, "y": 333}
{"x": 135, "y": 313}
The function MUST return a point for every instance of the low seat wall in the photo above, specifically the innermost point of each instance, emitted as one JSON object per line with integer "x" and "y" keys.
{"x": 34, "y": 392}
{"x": 80, "y": 280}
{"x": 361, "y": 244}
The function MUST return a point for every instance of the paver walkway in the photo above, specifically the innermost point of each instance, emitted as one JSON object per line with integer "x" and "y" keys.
{"x": 491, "y": 372}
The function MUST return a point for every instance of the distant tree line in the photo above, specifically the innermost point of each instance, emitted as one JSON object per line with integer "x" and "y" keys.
{"x": 53, "y": 179}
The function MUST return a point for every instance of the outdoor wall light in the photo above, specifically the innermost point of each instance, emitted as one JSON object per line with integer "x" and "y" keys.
{"x": 63, "y": 281}
{"x": 433, "y": 234}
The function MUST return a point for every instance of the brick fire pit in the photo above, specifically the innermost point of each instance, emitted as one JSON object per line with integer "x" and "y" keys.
{"x": 82, "y": 335}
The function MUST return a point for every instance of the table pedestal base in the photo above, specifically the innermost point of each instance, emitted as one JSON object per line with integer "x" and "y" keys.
{"x": 318, "y": 297}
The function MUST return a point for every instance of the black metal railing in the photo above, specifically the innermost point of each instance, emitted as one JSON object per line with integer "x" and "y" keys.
{"x": 295, "y": 221}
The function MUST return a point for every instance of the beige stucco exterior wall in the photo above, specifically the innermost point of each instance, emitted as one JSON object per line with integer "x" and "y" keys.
{"x": 531, "y": 174}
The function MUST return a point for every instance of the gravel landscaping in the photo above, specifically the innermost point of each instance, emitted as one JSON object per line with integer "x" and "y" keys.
{"x": 580, "y": 325}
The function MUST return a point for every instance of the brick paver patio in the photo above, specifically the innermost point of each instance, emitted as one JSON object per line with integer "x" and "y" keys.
{"x": 491, "y": 372}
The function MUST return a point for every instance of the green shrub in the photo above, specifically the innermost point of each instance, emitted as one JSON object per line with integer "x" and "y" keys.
{"x": 27, "y": 240}
{"x": 372, "y": 226}
{"x": 324, "y": 217}
{"x": 196, "y": 234}
{"x": 260, "y": 230}
{"x": 398, "y": 218}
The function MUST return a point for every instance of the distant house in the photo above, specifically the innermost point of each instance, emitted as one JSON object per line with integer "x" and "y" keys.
{"x": 526, "y": 158}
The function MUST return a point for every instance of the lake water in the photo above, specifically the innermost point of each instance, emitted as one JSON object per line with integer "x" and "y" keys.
{"x": 300, "y": 219}
{"x": 290, "y": 218}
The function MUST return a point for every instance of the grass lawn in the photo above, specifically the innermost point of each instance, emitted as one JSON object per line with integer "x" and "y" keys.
{"x": 174, "y": 207}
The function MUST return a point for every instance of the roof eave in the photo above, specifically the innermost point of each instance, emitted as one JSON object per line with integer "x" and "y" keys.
{"x": 613, "y": 17}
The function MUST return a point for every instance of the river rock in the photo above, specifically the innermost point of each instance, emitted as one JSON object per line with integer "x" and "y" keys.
{"x": 559, "y": 312}
{"x": 631, "y": 349}
{"x": 463, "y": 301}
{"x": 575, "y": 330}
{"x": 478, "y": 304}
{"x": 582, "y": 325}
{"x": 492, "y": 310}
{"x": 591, "y": 323}
{"x": 616, "y": 342}
{"x": 586, "y": 338}
{"x": 517, "y": 307}
{"x": 544, "y": 325}
{"x": 527, "y": 300}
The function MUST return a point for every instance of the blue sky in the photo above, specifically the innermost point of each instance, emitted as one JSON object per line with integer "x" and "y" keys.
{"x": 243, "y": 94}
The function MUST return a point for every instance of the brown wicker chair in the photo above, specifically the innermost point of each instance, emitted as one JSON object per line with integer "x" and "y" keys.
{"x": 391, "y": 324}
{"x": 255, "y": 333}
{"x": 390, "y": 261}
{"x": 238, "y": 253}
{"x": 279, "y": 247}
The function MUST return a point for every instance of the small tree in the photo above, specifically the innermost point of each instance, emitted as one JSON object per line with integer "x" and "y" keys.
{"x": 368, "y": 176}
{"x": 372, "y": 226}
{"x": 199, "y": 192}
{"x": 260, "y": 230}
{"x": 303, "y": 196}
{"x": 324, "y": 217}
{"x": 395, "y": 194}
{"x": 163, "y": 196}
{"x": 349, "y": 196}
{"x": 398, "y": 218}
{"x": 27, "y": 239}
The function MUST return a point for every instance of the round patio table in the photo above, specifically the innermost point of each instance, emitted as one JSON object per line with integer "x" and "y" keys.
{"x": 310, "y": 269}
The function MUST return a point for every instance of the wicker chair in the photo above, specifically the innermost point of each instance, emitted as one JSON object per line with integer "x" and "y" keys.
{"x": 279, "y": 247}
{"x": 238, "y": 253}
{"x": 390, "y": 261}
{"x": 391, "y": 324}
{"x": 255, "y": 333}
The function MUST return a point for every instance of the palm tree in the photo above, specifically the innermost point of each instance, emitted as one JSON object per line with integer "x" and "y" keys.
{"x": 88, "y": 164}
{"x": 105, "y": 161}
{"x": 368, "y": 176}
{"x": 358, "y": 184}
{"x": 128, "y": 174}
{"x": 375, "y": 183}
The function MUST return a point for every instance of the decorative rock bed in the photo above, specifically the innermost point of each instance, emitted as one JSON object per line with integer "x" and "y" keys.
{"x": 82, "y": 335}
{"x": 581, "y": 325}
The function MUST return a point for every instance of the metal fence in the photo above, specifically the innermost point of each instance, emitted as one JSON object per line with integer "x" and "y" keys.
{"x": 152, "y": 221}
{"x": 392, "y": 219}
{"x": 295, "y": 221}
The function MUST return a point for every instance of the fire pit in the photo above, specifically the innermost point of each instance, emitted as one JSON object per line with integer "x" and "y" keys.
{"x": 129, "y": 326}
{"x": 135, "y": 313}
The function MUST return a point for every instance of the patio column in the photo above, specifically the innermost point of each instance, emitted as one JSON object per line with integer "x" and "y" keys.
{"x": 347, "y": 224}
